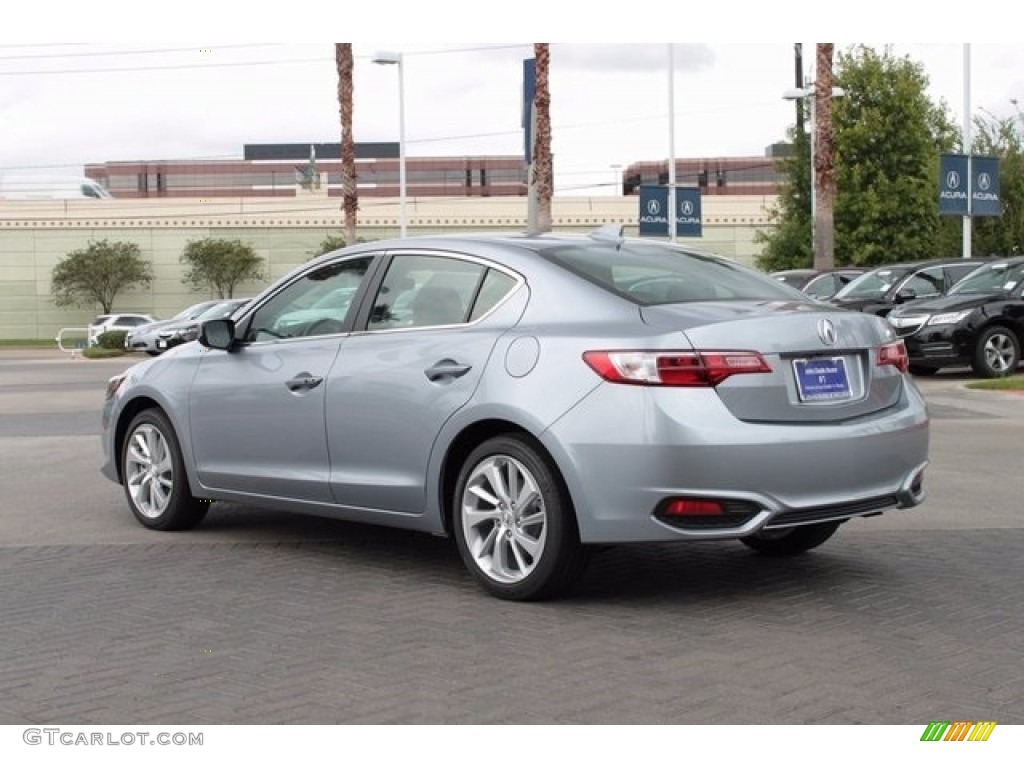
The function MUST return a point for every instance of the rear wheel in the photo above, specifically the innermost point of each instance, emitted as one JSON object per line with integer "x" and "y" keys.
{"x": 153, "y": 473}
{"x": 514, "y": 524}
{"x": 997, "y": 353}
{"x": 791, "y": 541}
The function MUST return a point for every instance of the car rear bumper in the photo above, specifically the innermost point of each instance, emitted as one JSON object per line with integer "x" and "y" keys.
{"x": 651, "y": 446}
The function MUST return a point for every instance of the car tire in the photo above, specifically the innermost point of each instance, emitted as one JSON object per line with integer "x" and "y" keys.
{"x": 786, "y": 542}
{"x": 923, "y": 370}
{"x": 514, "y": 523}
{"x": 154, "y": 478}
{"x": 997, "y": 353}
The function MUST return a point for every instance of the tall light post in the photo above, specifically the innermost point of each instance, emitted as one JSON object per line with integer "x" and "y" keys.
{"x": 616, "y": 179}
{"x": 671, "y": 143}
{"x": 799, "y": 94}
{"x": 392, "y": 57}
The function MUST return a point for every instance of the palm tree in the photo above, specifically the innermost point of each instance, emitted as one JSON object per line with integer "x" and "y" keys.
{"x": 824, "y": 167}
{"x": 350, "y": 196}
{"x": 542, "y": 141}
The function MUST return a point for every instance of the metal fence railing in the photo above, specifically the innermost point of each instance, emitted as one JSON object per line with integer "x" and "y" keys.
{"x": 77, "y": 337}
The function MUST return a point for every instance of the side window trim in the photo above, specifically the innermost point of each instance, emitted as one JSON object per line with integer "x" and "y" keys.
{"x": 361, "y": 319}
{"x": 244, "y": 322}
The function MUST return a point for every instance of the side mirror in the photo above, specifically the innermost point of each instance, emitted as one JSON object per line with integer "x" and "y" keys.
{"x": 218, "y": 334}
{"x": 906, "y": 294}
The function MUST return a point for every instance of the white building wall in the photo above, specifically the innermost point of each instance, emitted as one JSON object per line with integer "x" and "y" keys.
{"x": 35, "y": 235}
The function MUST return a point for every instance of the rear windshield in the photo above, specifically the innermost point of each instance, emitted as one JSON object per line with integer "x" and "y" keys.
{"x": 649, "y": 274}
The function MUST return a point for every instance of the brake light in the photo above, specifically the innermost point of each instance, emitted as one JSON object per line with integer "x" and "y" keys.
{"x": 674, "y": 369}
{"x": 894, "y": 354}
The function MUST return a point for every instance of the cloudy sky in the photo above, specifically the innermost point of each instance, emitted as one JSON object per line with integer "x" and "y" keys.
{"x": 63, "y": 105}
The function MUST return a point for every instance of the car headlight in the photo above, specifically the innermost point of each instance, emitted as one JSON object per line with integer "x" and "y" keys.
{"x": 905, "y": 321}
{"x": 949, "y": 318}
{"x": 184, "y": 333}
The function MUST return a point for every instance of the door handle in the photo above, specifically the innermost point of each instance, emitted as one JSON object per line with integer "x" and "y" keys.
{"x": 304, "y": 381}
{"x": 447, "y": 369}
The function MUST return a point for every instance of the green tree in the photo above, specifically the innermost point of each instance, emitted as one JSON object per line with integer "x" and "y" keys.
{"x": 97, "y": 273}
{"x": 330, "y": 243}
{"x": 888, "y": 136}
{"x": 1001, "y": 235}
{"x": 334, "y": 243}
{"x": 220, "y": 265}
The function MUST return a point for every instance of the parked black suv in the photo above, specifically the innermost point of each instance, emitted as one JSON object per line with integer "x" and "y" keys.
{"x": 881, "y": 289}
{"x": 980, "y": 323}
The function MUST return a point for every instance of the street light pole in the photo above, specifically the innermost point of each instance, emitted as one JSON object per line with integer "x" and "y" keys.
{"x": 616, "y": 179}
{"x": 966, "y": 245}
{"x": 391, "y": 57}
{"x": 799, "y": 94}
{"x": 671, "y": 143}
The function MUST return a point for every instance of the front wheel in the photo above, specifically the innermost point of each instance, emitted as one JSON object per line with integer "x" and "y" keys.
{"x": 997, "y": 353}
{"x": 785, "y": 542}
{"x": 153, "y": 473}
{"x": 514, "y": 524}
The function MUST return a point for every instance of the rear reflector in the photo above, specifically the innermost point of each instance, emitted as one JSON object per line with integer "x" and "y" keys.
{"x": 674, "y": 369}
{"x": 688, "y": 507}
{"x": 690, "y": 513}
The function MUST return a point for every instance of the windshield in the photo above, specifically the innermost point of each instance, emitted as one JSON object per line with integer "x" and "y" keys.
{"x": 223, "y": 309}
{"x": 992, "y": 278}
{"x": 793, "y": 279}
{"x": 650, "y": 273}
{"x": 874, "y": 284}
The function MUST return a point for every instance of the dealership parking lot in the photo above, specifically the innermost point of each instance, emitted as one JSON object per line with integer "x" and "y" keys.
{"x": 258, "y": 617}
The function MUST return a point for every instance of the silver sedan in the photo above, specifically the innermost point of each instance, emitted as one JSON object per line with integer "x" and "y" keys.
{"x": 529, "y": 396}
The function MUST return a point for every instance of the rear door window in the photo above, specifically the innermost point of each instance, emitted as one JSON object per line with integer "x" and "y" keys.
{"x": 421, "y": 291}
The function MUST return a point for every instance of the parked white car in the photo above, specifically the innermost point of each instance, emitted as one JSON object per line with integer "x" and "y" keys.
{"x": 124, "y": 321}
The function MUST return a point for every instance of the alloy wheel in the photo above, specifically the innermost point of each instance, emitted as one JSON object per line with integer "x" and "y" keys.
{"x": 504, "y": 519}
{"x": 1000, "y": 353}
{"x": 149, "y": 471}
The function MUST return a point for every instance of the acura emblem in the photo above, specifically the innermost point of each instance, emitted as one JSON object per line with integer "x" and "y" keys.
{"x": 827, "y": 331}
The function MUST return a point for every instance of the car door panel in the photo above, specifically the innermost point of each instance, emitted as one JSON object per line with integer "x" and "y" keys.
{"x": 257, "y": 419}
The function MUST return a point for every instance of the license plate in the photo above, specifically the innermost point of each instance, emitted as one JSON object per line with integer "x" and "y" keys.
{"x": 161, "y": 344}
{"x": 821, "y": 378}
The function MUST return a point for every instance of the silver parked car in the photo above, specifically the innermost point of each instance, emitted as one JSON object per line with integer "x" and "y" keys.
{"x": 529, "y": 396}
{"x": 187, "y": 329}
{"x": 145, "y": 338}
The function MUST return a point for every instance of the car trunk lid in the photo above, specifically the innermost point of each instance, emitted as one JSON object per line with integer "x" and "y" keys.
{"x": 824, "y": 362}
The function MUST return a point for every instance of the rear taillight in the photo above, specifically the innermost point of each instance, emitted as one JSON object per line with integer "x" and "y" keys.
{"x": 894, "y": 354}
{"x": 674, "y": 369}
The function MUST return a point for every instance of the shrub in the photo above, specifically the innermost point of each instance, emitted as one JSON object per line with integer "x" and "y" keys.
{"x": 112, "y": 339}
